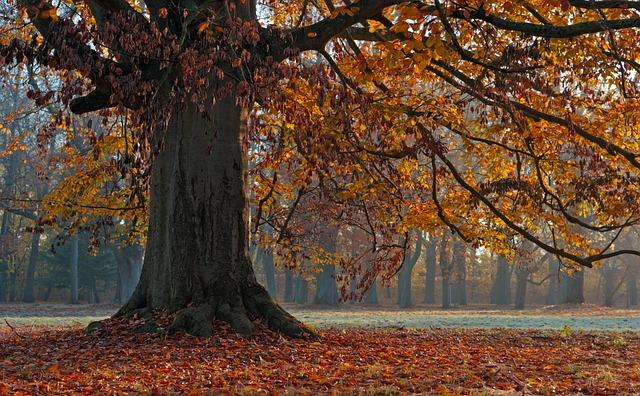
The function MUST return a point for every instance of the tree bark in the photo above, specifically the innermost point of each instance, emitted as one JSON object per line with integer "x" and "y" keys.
{"x": 405, "y": 275}
{"x": 553, "y": 290}
{"x": 129, "y": 259}
{"x": 371, "y": 297}
{"x": 29, "y": 284}
{"x": 289, "y": 289}
{"x": 9, "y": 186}
{"x": 4, "y": 271}
{"x": 521, "y": 288}
{"x": 13, "y": 285}
{"x": 326, "y": 287}
{"x": 430, "y": 274}
{"x": 73, "y": 270}
{"x": 302, "y": 290}
{"x": 445, "y": 269}
{"x": 460, "y": 272}
{"x": 573, "y": 288}
{"x": 196, "y": 259}
{"x": 502, "y": 285}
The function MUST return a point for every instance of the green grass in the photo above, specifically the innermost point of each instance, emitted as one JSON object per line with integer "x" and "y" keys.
{"x": 48, "y": 321}
{"x": 394, "y": 318}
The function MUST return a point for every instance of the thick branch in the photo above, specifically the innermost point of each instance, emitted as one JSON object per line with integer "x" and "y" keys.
{"x": 316, "y": 36}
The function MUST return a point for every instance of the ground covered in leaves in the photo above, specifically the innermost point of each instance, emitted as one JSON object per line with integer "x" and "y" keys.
{"x": 368, "y": 361}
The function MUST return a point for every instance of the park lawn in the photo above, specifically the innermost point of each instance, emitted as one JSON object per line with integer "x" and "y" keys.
{"x": 44, "y": 360}
{"x": 583, "y": 317}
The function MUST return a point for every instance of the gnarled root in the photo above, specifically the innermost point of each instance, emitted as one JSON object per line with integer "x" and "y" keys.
{"x": 251, "y": 302}
{"x": 197, "y": 321}
{"x": 260, "y": 305}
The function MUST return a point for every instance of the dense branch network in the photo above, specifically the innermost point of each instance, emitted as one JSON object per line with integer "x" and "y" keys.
{"x": 504, "y": 62}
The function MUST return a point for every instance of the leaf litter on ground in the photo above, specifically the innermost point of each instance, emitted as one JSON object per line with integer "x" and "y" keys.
{"x": 117, "y": 360}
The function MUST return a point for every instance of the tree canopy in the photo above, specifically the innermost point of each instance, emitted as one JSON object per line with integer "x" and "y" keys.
{"x": 501, "y": 121}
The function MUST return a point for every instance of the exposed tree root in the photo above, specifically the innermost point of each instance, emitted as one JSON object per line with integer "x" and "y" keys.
{"x": 250, "y": 303}
{"x": 260, "y": 305}
{"x": 197, "y": 321}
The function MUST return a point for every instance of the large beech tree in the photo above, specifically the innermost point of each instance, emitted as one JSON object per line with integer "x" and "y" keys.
{"x": 524, "y": 89}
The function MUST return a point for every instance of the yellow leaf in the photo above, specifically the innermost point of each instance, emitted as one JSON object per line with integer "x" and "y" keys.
{"x": 203, "y": 26}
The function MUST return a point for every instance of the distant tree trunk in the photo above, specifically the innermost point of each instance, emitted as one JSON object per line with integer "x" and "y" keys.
{"x": 73, "y": 269}
{"x": 553, "y": 289}
{"x": 460, "y": 272}
{"x": 29, "y": 284}
{"x": 4, "y": 269}
{"x": 302, "y": 290}
{"x": 129, "y": 259}
{"x": 573, "y": 288}
{"x": 632, "y": 285}
{"x": 502, "y": 285}
{"x": 326, "y": 287}
{"x": 9, "y": 187}
{"x": 521, "y": 288}
{"x": 609, "y": 274}
{"x": 446, "y": 292}
{"x": 405, "y": 275}
{"x": 371, "y": 297}
{"x": 430, "y": 273}
{"x": 289, "y": 292}
{"x": 269, "y": 272}
{"x": 47, "y": 291}
{"x": 13, "y": 285}
{"x": 387, "y": 291}
{"x": 92, "y": 292}
{"x": 445, "y": 269}
{"x": 353, "y": 289}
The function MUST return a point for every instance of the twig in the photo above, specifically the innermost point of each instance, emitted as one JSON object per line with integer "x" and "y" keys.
{"x": 14, "y": 330}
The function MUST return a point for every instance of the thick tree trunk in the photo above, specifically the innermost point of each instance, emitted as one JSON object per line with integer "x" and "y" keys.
{"x": 73, "y": 270}
{"x": 129, "y": 259}
{"x": 289, "y": 287}
{"x": 29, "y": 284}
{"x": 521, "y": 288}
{"x": 573, "y": 288}
{"x": 196, "y": 260}
{"x": 430, "y": 274}
{"x": 302, "y": 290}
